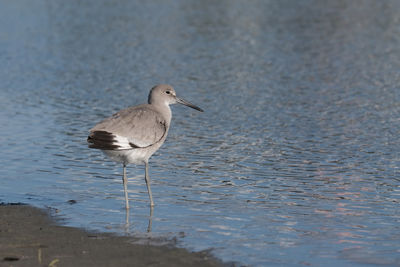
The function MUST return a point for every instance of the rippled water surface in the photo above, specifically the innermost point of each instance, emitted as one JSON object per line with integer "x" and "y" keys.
{"x": 294, "y": 162}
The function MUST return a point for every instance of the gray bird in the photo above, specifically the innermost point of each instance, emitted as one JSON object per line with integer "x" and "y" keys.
{"x": 133, "y": 134}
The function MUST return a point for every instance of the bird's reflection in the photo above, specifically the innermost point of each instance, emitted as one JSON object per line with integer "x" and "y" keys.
{"x": 150, "y": 219}
{"x": 127, "y": 224}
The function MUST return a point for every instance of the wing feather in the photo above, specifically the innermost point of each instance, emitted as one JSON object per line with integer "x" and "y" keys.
{"x": 134, "y": 127}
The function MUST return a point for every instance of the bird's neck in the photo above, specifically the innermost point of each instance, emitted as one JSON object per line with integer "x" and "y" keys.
{"x": 165, "y": 109}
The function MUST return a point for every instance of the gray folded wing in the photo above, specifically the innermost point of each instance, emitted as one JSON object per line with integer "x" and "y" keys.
{"x": 134, "y": 127}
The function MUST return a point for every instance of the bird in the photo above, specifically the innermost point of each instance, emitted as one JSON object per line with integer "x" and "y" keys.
{"x": 134, "y": 134}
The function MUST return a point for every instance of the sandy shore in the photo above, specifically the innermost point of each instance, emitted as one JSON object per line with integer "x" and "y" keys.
{"x": 29, "y": 237}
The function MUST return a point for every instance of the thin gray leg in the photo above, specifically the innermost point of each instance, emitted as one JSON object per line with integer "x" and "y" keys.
{"x": 125, "y": 182}
{"x": 147, "y": 178}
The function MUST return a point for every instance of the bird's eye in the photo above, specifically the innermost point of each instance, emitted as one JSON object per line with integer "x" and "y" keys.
{"x": 168, "y": 92}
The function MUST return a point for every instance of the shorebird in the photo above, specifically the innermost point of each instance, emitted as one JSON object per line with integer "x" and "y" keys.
{"x": 133, "y": 134}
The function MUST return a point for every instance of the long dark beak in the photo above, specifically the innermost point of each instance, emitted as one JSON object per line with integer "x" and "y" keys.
{"x": 186, "y": 103}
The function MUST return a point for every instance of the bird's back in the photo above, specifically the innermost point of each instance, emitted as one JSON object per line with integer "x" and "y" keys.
{"x": 134, "y": 127}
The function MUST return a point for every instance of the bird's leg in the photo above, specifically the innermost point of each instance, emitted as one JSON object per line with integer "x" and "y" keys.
{"x": 147, "y": 178}
{"x": 125, "y": 182}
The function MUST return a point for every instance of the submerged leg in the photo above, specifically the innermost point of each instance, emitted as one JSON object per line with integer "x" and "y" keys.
{"x": 125, "y": 182}
{"x": 147, "y": 178}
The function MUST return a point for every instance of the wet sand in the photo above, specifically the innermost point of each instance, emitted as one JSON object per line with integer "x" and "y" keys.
{"x": 29, "y": 237}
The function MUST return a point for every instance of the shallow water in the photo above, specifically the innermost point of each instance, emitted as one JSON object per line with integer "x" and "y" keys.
{"x": 294, "y": 162}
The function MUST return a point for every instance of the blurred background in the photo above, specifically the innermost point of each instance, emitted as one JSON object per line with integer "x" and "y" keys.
{"x": 295, "y": 160}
